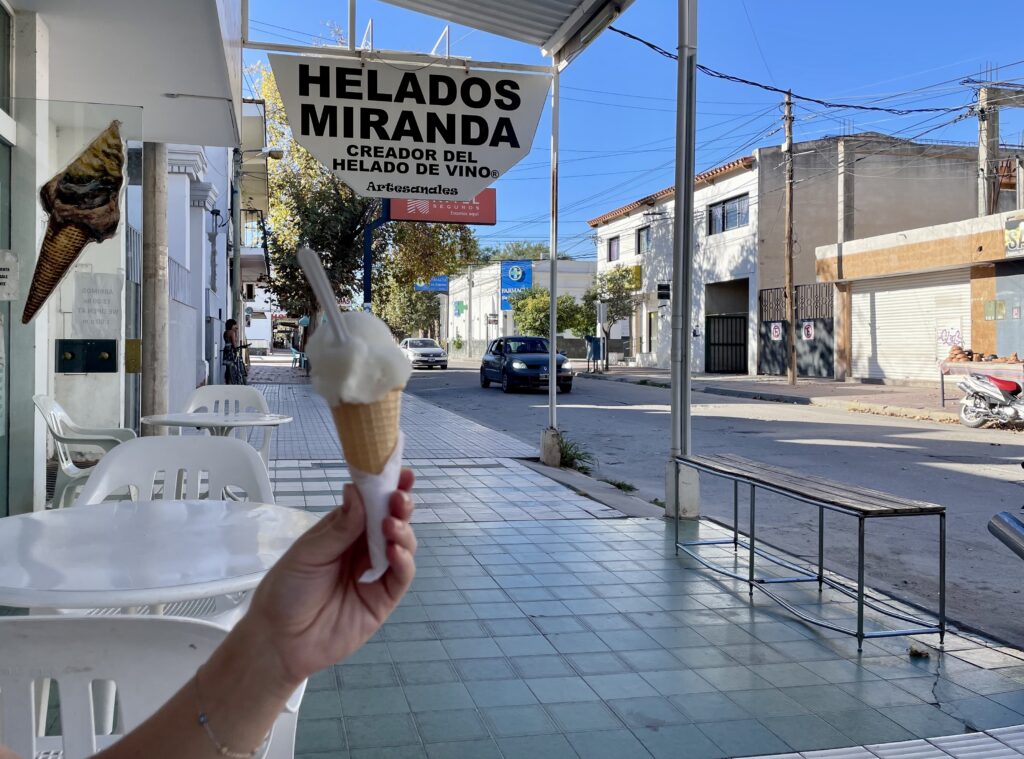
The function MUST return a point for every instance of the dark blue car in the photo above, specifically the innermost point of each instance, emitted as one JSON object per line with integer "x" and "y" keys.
{"x": 516, "y": 362}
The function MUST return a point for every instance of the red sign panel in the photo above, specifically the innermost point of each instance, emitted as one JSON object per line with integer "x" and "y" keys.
{"x": 483, "y": 209}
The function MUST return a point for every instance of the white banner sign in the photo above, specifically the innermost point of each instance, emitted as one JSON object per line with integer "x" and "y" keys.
{"x": 97, "y": 314}
{"x": 436, "y": 131}
{"x": 8, "y": 275}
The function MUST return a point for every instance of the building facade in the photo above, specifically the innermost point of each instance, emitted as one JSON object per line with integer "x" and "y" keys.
{"x": 474, "y": 314}
{"x": 844, "y": 187}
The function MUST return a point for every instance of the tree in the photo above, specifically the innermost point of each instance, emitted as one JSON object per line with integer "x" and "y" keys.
{"x": 516, "y": 250}
{"x": 417, "y": 251}
{"x": 406, "y": 311}
{"x": 309, "y": 206}
{"x": 530, "y": 309}
{"x": 615, "y": 288}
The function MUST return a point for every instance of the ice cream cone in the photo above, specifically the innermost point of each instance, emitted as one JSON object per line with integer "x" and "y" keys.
{"x": 61, "y": 247}
{"x": 369, "y": 431}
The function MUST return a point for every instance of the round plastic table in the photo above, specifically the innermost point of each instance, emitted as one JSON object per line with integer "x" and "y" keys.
{"x": 119, "y": 554}
{"x": 218, "y": 424}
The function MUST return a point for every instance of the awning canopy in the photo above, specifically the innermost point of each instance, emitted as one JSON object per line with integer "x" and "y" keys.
{"x": 557, "y": 27}
{"x": 180, "y": 61}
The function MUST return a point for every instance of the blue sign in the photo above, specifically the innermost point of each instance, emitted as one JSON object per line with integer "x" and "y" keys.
{"x": 435, "y": 285}
{"x": 515, "y": 275}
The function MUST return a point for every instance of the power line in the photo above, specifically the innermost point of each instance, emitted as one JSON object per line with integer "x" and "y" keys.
{"x": 771, "y": 88}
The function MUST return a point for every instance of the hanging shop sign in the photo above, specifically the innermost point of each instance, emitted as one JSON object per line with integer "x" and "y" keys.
{"x": 435, "y": 285}
{"x": 515, "y": 275}
{"x": 1013, "y": 236}
{"x": 436, "y": 132}
{"x": 483, "y": 209}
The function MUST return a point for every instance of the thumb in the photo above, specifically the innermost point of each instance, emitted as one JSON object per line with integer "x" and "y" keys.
{"x": 334, "y": 534}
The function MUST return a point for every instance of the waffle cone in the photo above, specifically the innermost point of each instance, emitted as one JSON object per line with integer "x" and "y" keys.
{"x": 369, "y": 431}
{"x": 61, "y": 247}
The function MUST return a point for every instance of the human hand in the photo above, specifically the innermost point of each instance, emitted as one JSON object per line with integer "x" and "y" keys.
{"x": 311, "y": 611}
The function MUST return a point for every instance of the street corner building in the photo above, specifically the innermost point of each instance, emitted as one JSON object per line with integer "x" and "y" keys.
{"x": 856, "y": 192}
{"x": 90, "y": 346}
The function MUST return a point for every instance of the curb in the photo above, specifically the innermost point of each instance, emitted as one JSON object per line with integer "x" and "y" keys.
{"x": 860, "y": 407}
{"x": 596, "y": 490}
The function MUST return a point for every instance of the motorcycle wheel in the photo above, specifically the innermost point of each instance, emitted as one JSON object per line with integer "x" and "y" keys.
{"x": 972, "y": 417}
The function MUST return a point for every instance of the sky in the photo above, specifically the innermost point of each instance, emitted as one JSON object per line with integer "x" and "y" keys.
{"x": 617, "y": 114}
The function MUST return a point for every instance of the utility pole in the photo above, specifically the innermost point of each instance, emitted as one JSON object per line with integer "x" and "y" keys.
{"x": 990, "y": 100}
{"x": 469, "y": 313}
{"x": 790, "y": 299}
{"x": 155, "y": 359}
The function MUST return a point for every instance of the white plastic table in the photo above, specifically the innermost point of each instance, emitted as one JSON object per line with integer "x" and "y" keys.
{"x": 121, "y": 554}
{"x": 218, "y": 424}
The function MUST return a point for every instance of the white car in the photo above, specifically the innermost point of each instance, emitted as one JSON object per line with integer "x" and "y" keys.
{"x": 424, "y": 352}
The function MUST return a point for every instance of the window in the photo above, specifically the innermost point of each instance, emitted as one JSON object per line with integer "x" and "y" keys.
{"x": 643, "y": 240}
{"x": 613, "y": 249}
{"x": 250, "y": 291}
{"x": 6, "y": 46}
{"x": 729, "y": 214}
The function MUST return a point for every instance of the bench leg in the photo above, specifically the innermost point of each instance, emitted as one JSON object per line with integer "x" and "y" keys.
{"x": 753, "y": 516}
{"x": 860, "y": 583}
{"x": 735, "y": 515}
{"x": 942, "y": 577}
{"x": 821, "y": 548}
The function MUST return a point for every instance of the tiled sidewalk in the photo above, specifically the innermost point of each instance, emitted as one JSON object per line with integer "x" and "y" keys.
{"x": 534, "y": 630}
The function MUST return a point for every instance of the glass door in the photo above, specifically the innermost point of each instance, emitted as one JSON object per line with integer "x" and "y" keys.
{"x": 5, "y": 328}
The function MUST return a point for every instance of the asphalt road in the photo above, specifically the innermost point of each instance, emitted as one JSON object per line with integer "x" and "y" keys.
{"x": 974, "y": 473}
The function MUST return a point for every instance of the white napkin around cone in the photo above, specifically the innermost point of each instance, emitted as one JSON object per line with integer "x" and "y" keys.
{"x": 376, "y": 490}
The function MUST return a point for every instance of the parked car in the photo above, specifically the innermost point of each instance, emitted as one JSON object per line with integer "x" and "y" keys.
{"x": 516, "y": 362}
{"x": 424, "y": 353}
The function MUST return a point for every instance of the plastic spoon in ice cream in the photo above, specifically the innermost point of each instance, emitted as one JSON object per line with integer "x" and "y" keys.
{"x": 317, "y": 278}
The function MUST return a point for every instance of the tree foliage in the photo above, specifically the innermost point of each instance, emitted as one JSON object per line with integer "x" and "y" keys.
{"x": 309, "y": 206}
{"x": 515, "y": 250}
{"x": 530, "y": 309}
{"x": 417, "y": 251}
{"x": 407, "y": 312}
{"x": 614, "y": 288}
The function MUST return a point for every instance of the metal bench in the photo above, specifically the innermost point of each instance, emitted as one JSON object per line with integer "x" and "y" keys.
{"x": 825, "y": 495}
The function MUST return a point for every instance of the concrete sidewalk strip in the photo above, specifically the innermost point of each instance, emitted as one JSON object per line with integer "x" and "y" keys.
{"x": 884, "y": 400}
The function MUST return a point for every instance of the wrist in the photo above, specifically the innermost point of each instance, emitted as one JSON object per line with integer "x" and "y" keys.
{"x": 249, "y": 659}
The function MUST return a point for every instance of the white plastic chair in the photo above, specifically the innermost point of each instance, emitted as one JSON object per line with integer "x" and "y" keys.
{"x": 180, "y": 467}
{"x": 147, "y": 658}
{"x": 66, "y": 433}
{"x": 234, "y": 399}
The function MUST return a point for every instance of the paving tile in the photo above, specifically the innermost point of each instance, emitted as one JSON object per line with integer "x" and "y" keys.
{"x": 489, "y": 693}
{"x": 367, "y": 675}
{"x": 479, "y": 749}
{"x": 471, "y": 648}
{"x": 417, "y": 650}
{"x": 485, "y": 669}
{"x": 409, "y": 631}
{"x": 924, "y": 721}
{"x": 935, "y": 689}
{"x": 709, "y": 707}
{"x": 541, "y": 666}
{"x": 463, "y": 628}
{"x": 537, "y": 747}
{"x": 674, "y": 682}
{"x": 784, "y": 675}
{"x": 982, "y": 713}
{"x": 319, "y": 735}
{"x": 841, "y": 671}
{"x": 365, "y": 701}
{"x": 628, "y": 640}
{"x": 390, "y": 752}
{"x": 629, "y": 685}
{"x": 380, "y": 730}
{"x": 549, "y": 625}
{"x": 426, "y": 673}
{"x": 440, "y": 696}
{"x": 678, "y": 742}
{"x": 880, "y": 693}
{"x": 824, "y": 698}
{"x": 653, "y": 711}
{"x": 807, "y": 732}
{"x": 322, "y": 704}
{"x": 863, "y": 726}
{"x": 600, "y": 663}
{"x": 767, "y": 703}
{"x": 733, "y": 678}
{"x": 508, "y": 721}
{"x": 608, "y": 744}
{"x": 552, "y": 690}
{"x": 323, "y": 680}
{"x": 1012, "y": 700}
{"x": 452, "y": 725}
{"x": 589, "y": 715}
{"x": 743, "y": 738}
{"x": 705, "y": 656}
{"x": 576, "y": 643}
{"x": 518, "y": 627}
{"x": 612, "y": 621}
{"x": 985, "y": 682}
{"x": 525, "y": 645}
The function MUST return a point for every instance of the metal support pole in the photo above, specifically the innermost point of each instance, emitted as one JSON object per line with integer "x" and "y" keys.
{"x": 385, "y": 216}
{"x": 682, "y": 246}
{"x": 860, "y": 583}
{"x": 469, "y": 313}
{"x": 351, "y": 24}
{"x": 553, "y": 260}
{"x": 236, "y": 240}
{"x": 155, "y": 361}
{"x": 753, "y": 541}
{"x": 821, "y": 547}
{"x": 942, "y": 577}
{"x": 735, "y": 515}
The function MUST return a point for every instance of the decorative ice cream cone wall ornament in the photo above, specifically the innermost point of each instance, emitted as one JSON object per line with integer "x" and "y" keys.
{"x": 83, "y": 202}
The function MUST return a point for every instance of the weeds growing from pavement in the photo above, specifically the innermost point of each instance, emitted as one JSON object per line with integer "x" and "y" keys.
{"x": 625, "y": 487}
{"x": 573, "y": 455}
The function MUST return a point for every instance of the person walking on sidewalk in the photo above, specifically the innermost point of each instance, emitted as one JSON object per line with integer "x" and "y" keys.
{"x": 234, "y": 365}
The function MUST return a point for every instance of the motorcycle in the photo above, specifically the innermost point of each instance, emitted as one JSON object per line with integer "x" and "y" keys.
{"x": 990, "y": 399}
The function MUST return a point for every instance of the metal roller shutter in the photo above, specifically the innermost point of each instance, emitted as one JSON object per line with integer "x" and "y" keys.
{"x": 902, "y": 325}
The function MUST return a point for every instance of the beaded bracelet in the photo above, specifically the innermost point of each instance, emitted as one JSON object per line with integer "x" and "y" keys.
{"x": 222, "y": 748}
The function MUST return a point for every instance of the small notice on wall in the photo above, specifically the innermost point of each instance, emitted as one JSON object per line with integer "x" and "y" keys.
{"x": 97, "y": 313}
{"x": 777, "y": 331}
{"x": 8, "y": 275}
{"x": 807, "y": 331}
